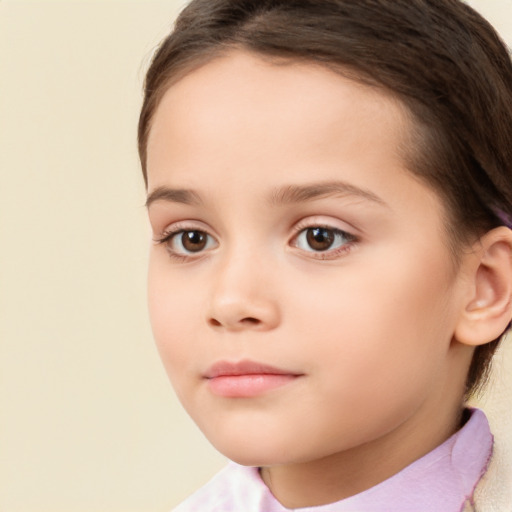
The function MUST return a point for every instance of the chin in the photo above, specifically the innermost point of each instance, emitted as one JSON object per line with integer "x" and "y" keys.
{"x": 262, "y": 450}
{"x": 255, "y": 450}
{"x": 249, "y": 453}
{"x": 252, "y": 461}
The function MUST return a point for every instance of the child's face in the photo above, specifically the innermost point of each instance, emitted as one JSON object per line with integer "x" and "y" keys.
{"x": 305, "y": 245}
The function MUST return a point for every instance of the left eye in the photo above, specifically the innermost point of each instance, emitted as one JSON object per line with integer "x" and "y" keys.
{"x": 321, "y": 239}
{"x": 190, "y": 242}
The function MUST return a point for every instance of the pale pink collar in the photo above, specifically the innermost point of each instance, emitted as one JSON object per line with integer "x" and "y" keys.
{"x": 443, "y": 480}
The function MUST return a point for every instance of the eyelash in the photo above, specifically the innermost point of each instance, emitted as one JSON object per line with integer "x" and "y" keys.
{"x": 328, "y": 254}
{"x": 169, "y": 234}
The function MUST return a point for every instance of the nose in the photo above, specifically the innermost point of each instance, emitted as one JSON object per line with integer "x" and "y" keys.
{"x": 243, "y": 296}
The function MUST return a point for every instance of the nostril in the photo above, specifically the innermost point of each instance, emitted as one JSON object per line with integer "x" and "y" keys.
{"x": 247, "y": 321}
{"x": 250, "y": 320}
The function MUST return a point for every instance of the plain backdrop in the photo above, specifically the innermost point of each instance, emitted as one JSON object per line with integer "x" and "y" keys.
{"x": 88, "y": 421}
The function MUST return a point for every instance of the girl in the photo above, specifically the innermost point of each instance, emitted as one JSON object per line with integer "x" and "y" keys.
{"x": 330, "y": 194}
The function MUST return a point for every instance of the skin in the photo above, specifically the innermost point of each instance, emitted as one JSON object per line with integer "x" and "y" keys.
{"x": 367, "y": 325}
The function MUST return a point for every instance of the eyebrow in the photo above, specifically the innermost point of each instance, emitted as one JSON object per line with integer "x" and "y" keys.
{"x": 173, "y": 195}
{"x": 288, "y": 194}
{"x": 303, "y": 193}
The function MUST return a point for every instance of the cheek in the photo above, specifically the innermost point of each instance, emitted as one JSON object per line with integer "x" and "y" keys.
{"x": 385, "y": 320}
{"x": 172, "y": 314}
{"x": 370, "y": 357}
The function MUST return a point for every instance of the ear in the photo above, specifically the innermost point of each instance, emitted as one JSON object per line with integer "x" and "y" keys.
{"x": 488, "y": 305}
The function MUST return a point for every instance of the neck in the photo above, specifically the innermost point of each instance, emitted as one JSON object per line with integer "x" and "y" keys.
{"x": 355, "y": 470}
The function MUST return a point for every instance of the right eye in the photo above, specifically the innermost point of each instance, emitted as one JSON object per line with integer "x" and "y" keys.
{"x": 185, "y": 242}
{"x": 324, "y": 240}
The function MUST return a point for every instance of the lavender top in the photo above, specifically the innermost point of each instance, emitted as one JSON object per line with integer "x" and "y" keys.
{"x": 444, "y": 479}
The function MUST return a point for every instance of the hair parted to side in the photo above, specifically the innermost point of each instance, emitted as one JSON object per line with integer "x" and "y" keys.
{"x": 440, "y": 58}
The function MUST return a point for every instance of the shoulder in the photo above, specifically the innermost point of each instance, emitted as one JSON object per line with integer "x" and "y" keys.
{"x": 233, "y": 489}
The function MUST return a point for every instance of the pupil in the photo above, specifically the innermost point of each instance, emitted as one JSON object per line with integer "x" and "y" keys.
{"x": 320, "y": 239}
{"x": 193, "y": 241}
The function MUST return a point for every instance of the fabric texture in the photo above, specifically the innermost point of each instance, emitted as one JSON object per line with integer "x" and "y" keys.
{"x": 443, "y": 480}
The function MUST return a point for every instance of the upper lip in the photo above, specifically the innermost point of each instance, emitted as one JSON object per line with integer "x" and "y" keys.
{"x": 246, "y": 367}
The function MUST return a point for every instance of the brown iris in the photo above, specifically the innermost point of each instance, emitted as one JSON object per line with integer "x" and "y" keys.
{"x": 194, "y": 241}
{"x": 320, "y": 239}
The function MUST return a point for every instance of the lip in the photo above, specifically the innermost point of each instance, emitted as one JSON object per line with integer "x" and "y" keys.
{"x": 246, "y": 379}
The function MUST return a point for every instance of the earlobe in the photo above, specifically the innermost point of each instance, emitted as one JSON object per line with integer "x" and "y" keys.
{"x": 488, "y": 309}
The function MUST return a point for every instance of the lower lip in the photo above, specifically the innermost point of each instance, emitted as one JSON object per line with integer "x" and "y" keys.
{"x": 247, "y": 386}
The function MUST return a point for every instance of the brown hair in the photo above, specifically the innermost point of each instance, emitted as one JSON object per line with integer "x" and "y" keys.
{"x": 440, "y": 58}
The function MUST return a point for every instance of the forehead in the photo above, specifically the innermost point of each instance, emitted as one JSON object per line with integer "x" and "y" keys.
{"x": 240, "y": 128}
{"x": 293, "y": 105}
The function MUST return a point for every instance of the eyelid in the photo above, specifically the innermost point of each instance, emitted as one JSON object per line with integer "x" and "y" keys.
{"x": 171, "y": 231}
{"x": 174, "y": 229}
{"x": 326, "y": 222}
{"x": 181, "y": 225}
{"x": 320, "y": 222}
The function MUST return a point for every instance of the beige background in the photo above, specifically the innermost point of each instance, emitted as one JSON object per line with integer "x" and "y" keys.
{"x": 88, "y": 421}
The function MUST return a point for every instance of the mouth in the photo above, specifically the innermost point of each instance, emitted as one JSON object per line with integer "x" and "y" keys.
{"x": 246, "y": 379}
